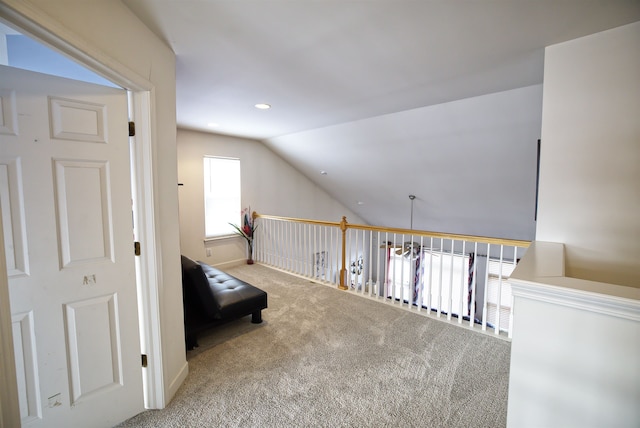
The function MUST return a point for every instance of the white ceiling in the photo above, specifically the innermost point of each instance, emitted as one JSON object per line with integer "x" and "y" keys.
{"x": 383, "y": 78}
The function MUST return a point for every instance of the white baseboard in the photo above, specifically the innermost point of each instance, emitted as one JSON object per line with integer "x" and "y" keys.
{"x": 232, "y": 263}
{"x": 177, "y": 382}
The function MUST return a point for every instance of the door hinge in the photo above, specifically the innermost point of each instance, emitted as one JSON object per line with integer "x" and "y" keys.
{"x": 132, "y": 129}
{"x": 136, "y": 248}
{"x": 144, "y": 360}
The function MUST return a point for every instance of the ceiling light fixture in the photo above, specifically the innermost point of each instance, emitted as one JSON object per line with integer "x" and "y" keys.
{"x": 412, "y": 197}
{"x": 323, "y": 172}
{"x": 263, "y": 106}
{"x": 410, "y": 249}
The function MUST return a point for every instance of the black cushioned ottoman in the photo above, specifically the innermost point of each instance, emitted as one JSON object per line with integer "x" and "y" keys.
{"x": 212, "y": 297}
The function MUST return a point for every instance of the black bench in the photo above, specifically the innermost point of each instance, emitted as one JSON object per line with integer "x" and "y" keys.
{"x": 212, "y": 297}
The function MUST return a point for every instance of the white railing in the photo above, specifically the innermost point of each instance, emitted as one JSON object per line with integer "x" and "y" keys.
{"x": 461, "y": 278}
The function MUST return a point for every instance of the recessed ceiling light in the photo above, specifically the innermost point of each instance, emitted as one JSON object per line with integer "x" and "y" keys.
{"x": 360, "y": 203}
{"x": 263, "y": 106}
{"x": 323, "y": 172}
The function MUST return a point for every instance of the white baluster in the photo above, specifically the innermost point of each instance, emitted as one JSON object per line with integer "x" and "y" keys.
{"x": 430, "y": 277}
{"x": 370, "y": 263}
{"x": 395, "y": 287}
{"x": 463, "y": 288}
{"x": 515, "y": 262}
{"x": 439, "y": 297}
{"x": 486, "y": 290}
{"x": 499, "y": 303}
{"x": 420, "y": 290}
{"x": 327, "y": 243}
{"x": 338, "y": 252}
{"x": 450, "y": 285}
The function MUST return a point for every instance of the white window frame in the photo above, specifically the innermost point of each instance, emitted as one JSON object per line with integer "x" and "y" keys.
{"x": 222, "y": 190}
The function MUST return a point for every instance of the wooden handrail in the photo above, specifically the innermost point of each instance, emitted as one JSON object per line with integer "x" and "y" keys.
{"x": 296, "y": 220}
{"x": 343, "y": 225}
{"x": 311, "y": 249}
{"x": 469, "y": 238}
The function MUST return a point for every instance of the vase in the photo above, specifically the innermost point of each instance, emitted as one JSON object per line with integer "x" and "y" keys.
{"x": 250, "y": 259}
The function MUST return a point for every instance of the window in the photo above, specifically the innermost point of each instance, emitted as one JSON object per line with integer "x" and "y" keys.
{"x": 221, "y": 195}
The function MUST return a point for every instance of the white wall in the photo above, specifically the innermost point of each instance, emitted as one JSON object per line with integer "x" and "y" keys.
{"x": 590, "y": 163}
{"x": 575, "y": 353}
{"x": 108, "y": 31}
{"x": 584, "y": 373}
{"x": 269, "y": 185}
{"x": 471, "y": 164}
{"x": 576, "y": 342}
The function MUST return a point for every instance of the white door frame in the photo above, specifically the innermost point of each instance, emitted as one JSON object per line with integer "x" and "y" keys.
{"x": 41, "y": 27}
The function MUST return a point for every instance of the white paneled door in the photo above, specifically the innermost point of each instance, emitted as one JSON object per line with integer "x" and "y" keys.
{"x": 66, "y": 210}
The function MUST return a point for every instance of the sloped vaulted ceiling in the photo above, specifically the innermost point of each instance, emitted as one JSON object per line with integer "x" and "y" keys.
{"x": 437, "y": 98}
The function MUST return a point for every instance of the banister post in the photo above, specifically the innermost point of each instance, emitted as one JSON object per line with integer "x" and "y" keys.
{"x": 343, "y": 270}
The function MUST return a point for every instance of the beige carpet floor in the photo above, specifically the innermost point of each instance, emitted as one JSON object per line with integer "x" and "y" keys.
{"x": 327, "y": 358}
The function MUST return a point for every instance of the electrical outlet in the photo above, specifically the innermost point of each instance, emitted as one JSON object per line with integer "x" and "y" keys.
{"x": 208, "y": 252}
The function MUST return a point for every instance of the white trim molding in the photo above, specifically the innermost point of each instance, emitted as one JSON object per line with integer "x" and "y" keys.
{"x": 578, "y": 299}
{"x": 575, "y": 343}
{"x": 540, "y": 276}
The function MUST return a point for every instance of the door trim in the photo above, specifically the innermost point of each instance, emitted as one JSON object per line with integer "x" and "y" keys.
{"x": 148, "y": 263}
{"x": 41, "y": 27}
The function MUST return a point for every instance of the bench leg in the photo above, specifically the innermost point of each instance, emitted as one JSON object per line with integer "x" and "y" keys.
{"x": 256, "y": 317}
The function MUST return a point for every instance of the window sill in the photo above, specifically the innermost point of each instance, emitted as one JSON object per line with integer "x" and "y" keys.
{"x": 220, "y": 238}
